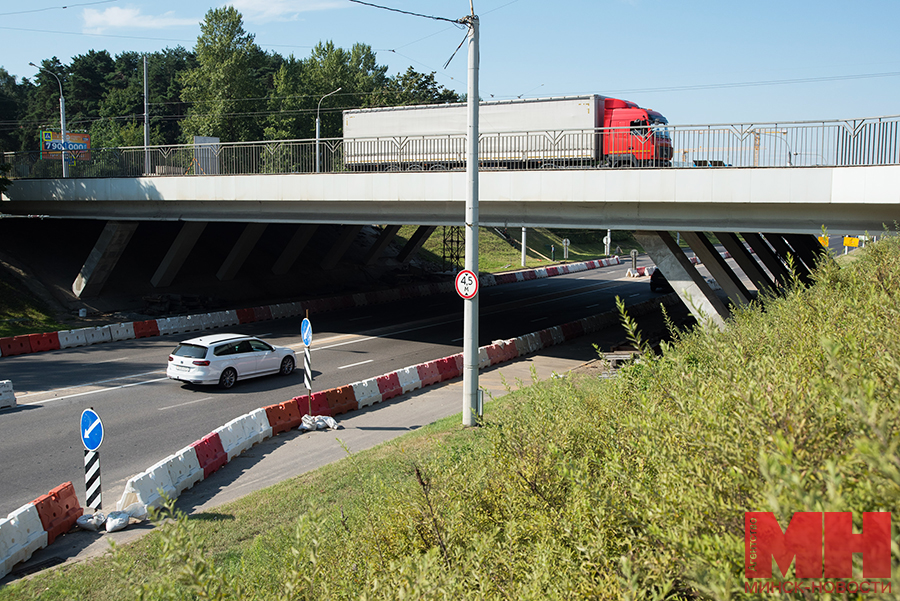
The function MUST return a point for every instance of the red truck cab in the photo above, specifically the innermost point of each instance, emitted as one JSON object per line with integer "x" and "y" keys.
{"x": 634, "y": 136}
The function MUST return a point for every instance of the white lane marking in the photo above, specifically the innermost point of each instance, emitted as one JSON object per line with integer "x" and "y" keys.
{"x": 187, "y": 403}
{"x": 315, "y": 348}
{"x": 538, "y": 319}
{"x": 633, "y": 295}
{"x": 456, "y": 340}
{"x": 322, "y": 348}
{"x": 541, "y": 285}
{"x": 112, "y": 360}
{"x": 86, "y": 384}
{"x": 592, "y": 306}
{"x": 72, "y": 396}
{"x": 360, "y": 318}
{"x": 355, "y": 364}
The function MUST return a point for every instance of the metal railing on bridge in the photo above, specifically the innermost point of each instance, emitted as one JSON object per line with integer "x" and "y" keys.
{"x": 872, "y": 141}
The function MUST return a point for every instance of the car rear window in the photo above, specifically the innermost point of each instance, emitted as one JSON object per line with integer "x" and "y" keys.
{"x": 190, "y": 350}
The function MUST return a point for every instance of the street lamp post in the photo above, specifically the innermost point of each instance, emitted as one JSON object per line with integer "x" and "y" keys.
{"x": 62, "y": 119}
{"x": 318, "y": 170}
{"x": 774, "y": 134}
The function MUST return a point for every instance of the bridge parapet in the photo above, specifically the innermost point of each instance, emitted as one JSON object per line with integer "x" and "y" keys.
{"x": 855, "y": 142}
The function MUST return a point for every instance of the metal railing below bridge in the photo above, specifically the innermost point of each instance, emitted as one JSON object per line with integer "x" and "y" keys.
{"x": 872, "y": 141}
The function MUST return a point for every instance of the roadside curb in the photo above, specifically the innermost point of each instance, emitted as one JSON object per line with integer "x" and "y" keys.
{"x": 63, "y": 339}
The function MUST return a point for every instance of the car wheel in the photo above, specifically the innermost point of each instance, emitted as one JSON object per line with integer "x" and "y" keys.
{"x": 228, "y": 378}
{"x": 287, "y": 366}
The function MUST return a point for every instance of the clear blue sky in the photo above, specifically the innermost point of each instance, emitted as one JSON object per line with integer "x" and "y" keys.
{"x": 696, "y": 61}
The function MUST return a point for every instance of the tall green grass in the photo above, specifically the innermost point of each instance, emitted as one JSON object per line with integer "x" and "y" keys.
{"x": 576, "y": 488}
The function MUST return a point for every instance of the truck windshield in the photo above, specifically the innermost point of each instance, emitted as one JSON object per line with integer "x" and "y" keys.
{"x": 659, "y": 125}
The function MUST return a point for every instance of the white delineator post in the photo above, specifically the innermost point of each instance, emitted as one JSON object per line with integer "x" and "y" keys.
{"x": 523, "y": 245}
{"x": 470, "y": 309}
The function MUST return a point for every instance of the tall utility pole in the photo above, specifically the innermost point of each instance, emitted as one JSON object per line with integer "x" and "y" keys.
{"x": 146, "y": 121}
{"x": 470, "y": 306}
{"x": 470, "y": 310}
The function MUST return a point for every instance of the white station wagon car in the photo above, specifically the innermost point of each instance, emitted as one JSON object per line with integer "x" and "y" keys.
{"x": 223, "y": 359}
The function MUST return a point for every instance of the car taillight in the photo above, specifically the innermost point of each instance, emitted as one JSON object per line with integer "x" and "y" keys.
{"x": 171, "y": 358}
{"x": 201, "y": 363}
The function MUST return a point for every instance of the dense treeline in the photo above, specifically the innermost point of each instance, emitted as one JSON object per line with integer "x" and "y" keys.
{"x": 227, "y": 87}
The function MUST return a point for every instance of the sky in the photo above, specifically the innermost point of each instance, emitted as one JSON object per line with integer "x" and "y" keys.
{"x": 694, "y": 61}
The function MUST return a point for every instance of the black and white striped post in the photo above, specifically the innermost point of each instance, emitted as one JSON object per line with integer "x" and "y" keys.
{"x": 93, "y": 494}
{"x": 307, "y": 377}
{"x": 306, "y": 335}
{"x": 91, "y": 431}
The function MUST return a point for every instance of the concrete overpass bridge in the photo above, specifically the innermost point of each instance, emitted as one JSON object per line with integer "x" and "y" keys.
{"x": 777, "y": 199}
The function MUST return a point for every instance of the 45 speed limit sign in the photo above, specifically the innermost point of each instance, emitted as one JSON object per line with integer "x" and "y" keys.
{"x": 466, "y": 284}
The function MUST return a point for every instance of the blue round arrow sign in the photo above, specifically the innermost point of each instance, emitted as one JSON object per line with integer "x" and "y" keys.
{"x": 306, "y": 331}
{"x": 91, "y": 430}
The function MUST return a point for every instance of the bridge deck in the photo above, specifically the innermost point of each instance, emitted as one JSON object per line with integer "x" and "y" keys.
{"x": 789, "y": 199}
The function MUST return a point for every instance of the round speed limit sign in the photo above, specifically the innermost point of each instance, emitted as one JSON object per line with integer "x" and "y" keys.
{"x": 466, "y": 284}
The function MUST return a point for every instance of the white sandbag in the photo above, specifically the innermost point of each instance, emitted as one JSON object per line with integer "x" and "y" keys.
{"x": 318, "y": 422}
{"x": 117, "y": 520}
{"x": 91, "y": 522}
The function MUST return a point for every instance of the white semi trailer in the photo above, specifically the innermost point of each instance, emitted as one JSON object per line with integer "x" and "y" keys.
{"x": 547, "y": 132}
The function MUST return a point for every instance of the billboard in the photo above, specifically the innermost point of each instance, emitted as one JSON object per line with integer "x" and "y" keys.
{"x": 79, "y": 145}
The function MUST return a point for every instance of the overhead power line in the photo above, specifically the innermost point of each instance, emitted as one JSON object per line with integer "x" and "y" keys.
{"x": 405, "y": 12}
{"x": 40, "y": 10}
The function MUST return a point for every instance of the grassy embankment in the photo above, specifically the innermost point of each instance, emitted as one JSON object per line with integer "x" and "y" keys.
{"x": 21, "y": 312}
{"x": 496, "y": 254}
{"x": 574, "y": 488}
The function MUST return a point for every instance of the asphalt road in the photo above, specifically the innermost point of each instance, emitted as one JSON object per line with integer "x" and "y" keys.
{"x": 147, "y": 417}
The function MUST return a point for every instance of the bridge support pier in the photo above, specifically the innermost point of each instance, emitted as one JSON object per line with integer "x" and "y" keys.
{"x": 240, "y": 251}
{"x": 171, "y": 264}
{"x": 807, "y": 247}
{"x": 720, "y": 270}
{"x": 745, "y": 261}
{"x": 387, "y": 234}
{"x": 422, "y": 233}
{"x": 345, "y": 239}
{"x": 783, "y": 250}
{"x": 683, "y": 276}
{"x": 103, "y": 258}
{"x": 767, "y": 256}
{"x": 294, "y": 247}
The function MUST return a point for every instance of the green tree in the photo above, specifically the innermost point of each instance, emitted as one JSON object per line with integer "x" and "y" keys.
{"x": 12, "y": 109}
{"x": 300, "y": 85}
{"x": 222, "y": 88}
{"x": 122, "y": 103}
{"x": 413, "y": 87}
{"x": 85, "y": 88}
{"x": 166, "y": 106}
{"x": 289, "y": 106}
